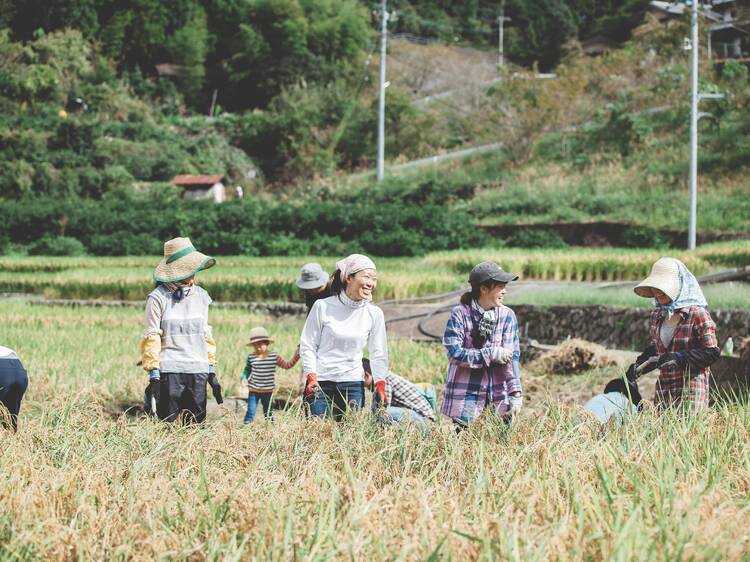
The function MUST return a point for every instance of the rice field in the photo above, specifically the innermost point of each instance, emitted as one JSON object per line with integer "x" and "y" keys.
{"x": 272, "y": 279}
{"x": 84, "y": 481}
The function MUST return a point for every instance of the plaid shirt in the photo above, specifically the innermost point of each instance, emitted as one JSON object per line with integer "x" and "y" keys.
{"x": 695, "y": 330}
{"x": 473, "y": 379}
{"x": 404, "y": 394}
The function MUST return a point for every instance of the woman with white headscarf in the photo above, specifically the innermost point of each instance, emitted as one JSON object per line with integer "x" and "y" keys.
{"x": 334, "y": 338}
{"x": 682, "y": 336}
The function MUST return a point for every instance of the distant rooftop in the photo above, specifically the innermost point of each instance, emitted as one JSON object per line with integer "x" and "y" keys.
{"x": 190, "y": 180}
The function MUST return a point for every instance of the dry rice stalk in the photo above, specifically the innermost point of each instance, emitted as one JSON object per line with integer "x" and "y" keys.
{"x": 572, "y": 357}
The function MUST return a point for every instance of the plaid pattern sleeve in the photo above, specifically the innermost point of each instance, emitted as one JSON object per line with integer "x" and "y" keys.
{"x": 696, "y": 330}
{"x": 509, "y": 340}
{"x": 458, "y": 326}
{"x": 402, "y": 393}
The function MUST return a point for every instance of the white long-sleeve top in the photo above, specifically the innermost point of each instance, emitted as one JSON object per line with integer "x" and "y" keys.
{"x": 334, "y": 338}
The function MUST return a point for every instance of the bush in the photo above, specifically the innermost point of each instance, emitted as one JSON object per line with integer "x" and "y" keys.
{"x": 57, "y": 246}
{"x": 644, "y": 237}
{"x": 125, "y": 244}
{"x": 536, "y": 238}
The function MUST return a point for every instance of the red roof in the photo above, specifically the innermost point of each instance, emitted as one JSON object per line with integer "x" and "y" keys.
{"x": 189, "y": 179}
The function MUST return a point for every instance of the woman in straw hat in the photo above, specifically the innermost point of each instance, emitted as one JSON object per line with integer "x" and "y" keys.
{"x": 481, "y": 339}
{"x": 178, "y": 351}
{"x": 682, "y": 335}
{"x": 334, "y": 337}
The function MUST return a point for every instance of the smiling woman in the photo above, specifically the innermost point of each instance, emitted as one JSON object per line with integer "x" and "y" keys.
{"x": 481, "y": 339}
{"x": 334, "y": 338}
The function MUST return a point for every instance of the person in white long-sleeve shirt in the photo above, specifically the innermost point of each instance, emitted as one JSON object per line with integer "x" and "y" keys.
{"x": 334, "y": 338}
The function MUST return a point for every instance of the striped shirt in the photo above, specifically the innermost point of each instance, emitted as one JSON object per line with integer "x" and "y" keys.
{"x": 260, "y": 373}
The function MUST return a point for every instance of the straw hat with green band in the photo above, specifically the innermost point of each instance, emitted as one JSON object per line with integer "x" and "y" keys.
{"x": 181, "y": 260}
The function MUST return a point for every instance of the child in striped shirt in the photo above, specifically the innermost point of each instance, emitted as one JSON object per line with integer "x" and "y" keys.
{"x": 260, "y": 372}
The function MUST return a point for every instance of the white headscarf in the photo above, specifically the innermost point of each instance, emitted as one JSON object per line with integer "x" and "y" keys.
{"x": 352, "y": 264}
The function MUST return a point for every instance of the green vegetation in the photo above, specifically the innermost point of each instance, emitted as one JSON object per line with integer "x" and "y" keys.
{"x": 668, "y": 485}
{"x": 89, "y": 135}
{"x": 264, "y": 279}
{"x": 732, "y": 295}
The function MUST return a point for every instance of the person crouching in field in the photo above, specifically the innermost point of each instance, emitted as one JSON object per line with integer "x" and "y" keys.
{"x": 621, "y": 398}
{"x": 334, "y": 337}
{"x": 13, "y": 384}
{"x": 481, "y": 339}
{"x": 178, "y": 350}
{"x": 407, "y": 402}
{"x": 260, "y": 373}
{"x": 682, "y": 336}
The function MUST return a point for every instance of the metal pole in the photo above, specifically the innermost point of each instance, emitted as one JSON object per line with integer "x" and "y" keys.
{"x": 381, "y": 104}
{"x": 693, "y": 128}
{"x": 501, "y": 37}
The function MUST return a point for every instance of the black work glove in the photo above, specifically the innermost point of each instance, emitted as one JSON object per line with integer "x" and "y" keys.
{"x": 671, "y": 360}
{"x": 637, "y": 369}
{"x": 153, "y": 390}
{"x": 215, "y": 388}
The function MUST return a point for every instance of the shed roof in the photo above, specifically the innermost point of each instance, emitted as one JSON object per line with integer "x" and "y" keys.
{"x": 190, "y": 179}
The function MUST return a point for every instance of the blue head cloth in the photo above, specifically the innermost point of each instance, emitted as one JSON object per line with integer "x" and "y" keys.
{"x": 690, "y": 292}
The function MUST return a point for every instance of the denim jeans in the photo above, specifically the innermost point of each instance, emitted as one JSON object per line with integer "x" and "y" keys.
{"x": 336, "y": 398}
{"x": 252, "y": 404}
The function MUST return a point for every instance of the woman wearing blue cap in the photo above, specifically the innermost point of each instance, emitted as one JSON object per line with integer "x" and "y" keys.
{"x": 481, "y": 339}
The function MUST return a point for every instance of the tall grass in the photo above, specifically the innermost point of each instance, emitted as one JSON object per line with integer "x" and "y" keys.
{"x": 82, "y": 482}
{"x": 261, "y": 279}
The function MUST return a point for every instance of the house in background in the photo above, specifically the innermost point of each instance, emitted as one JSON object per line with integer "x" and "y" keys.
{"x": 728, "y": 35}
{"x": 726, "y": 24}
{"x": 201, "y": 187}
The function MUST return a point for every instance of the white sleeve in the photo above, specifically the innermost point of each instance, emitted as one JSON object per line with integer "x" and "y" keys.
{"x": 377, "y": 345}
{"x": 309, "y": 341}
{"x": 153, "y": 317}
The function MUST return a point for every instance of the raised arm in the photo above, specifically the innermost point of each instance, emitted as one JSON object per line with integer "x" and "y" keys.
{"x": 284, "y": 364}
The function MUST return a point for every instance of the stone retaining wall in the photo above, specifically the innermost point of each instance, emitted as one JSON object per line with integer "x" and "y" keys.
{"x": 612, "y": 326}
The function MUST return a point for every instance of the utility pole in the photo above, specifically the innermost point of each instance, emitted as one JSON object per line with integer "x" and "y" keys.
{"x": 692, "y": 222}
{"x": 500, "y": 37}
{"x": 381, "y": 103}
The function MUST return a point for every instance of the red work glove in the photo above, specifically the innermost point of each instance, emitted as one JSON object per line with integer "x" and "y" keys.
{"x": 380, "y": 397}
{"x": 311, "y": 386}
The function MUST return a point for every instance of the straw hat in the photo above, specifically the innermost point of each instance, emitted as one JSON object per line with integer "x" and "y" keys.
{"x": 259, "y": 334}
{"x": 181, "y": 261}
{"x": 665, "y": 276}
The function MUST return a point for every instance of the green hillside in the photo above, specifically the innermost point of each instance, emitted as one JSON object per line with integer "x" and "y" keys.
{"x": 90, "y": 137}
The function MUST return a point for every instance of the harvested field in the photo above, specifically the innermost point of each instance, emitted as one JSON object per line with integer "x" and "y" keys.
{"x": 82, "y": 482}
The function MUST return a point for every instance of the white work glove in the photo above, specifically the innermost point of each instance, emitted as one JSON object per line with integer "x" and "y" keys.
{"x": 516, "y": 403}
{"x": 501, "y": 355}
